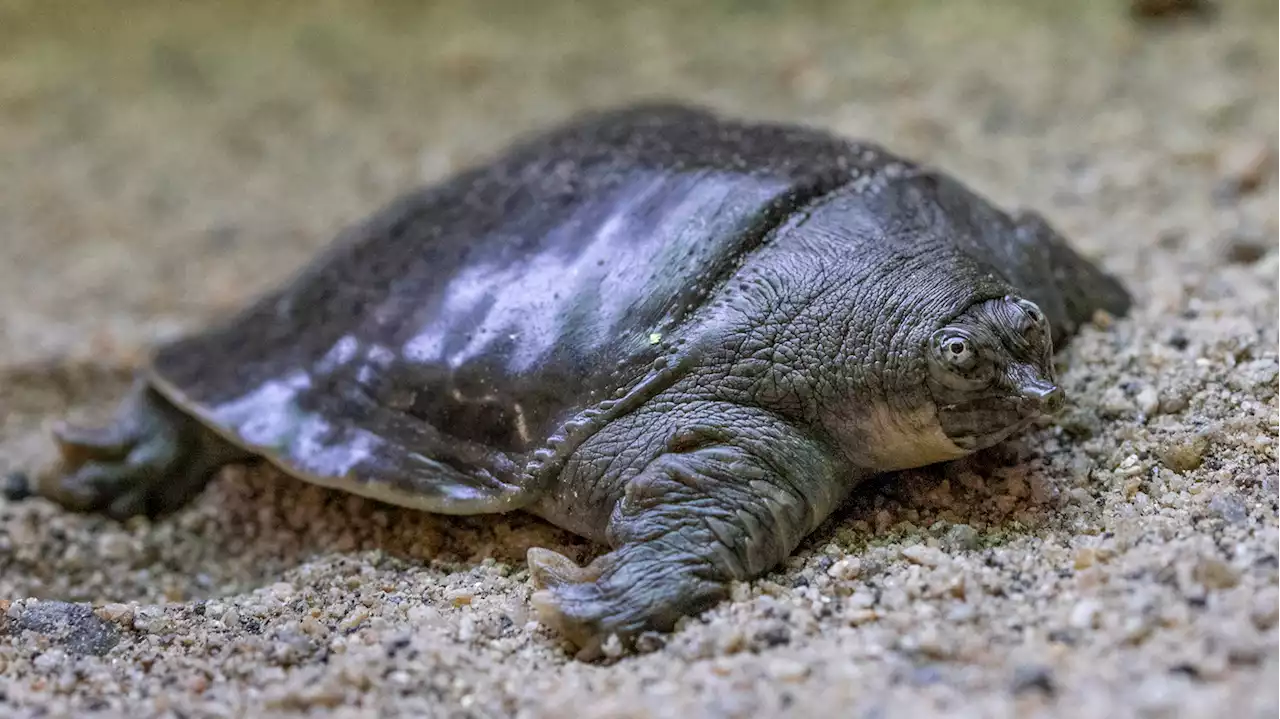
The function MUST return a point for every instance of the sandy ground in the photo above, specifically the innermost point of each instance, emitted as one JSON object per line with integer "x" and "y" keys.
{"x": 162, "y": 162}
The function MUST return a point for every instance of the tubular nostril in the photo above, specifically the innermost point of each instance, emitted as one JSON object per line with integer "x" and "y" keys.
{"x": 1048, "y": 396}
{"x": 1055, "y": 400}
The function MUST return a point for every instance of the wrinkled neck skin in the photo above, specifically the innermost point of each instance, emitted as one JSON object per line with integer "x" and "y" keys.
{"x": 834, "y": 339}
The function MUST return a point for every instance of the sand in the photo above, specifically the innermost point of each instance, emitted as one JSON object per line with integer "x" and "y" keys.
{"x": 160, "y": 163}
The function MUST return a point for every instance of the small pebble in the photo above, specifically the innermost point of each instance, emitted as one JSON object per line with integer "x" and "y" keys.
{"x": 1186, "y": 454}
{"x": 115, "y": 546}
{"x": 612, "y": 647}
{"x": 928, "y": 642}
{"x": 75, "y": 627}
{"x": 16, "y": 486}
{"x": 1033, "y": 678}
{"x": 1166, "y": 9}
{"x": 1265, "y": 611}
{"x": 1229, "y": 507}
{"x": 845, "y": 569}
{"x": 353, "y": 620}
{"x": 121, "y": 614}
{"x": 961, "y": 537}
{"x": 1147, "y": 400}
{"x": 1245, "y": 249}
{"x": 1176, "y": 398}
{"x": 313, "y": 627}
{"x": 1216, "y": 574}
{"x": 466, "y": 628}
{"x": 924, "y": 555}
{"x": 282, "y": 590}
{"x": 787, "y": 670}
{"x": 1086, "y": 614}
{"x": 1244, "y": 167}
{"x": 1085, "y": 557}
{"x": 927, "y": 675}
{"x": 1271, "y": 485}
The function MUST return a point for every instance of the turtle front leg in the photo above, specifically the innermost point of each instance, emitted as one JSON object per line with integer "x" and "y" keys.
{"x": 149, "y": 460}
{"x": 687, "y": 526}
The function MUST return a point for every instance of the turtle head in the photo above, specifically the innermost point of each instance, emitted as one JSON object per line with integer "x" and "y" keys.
{"x": 991, "y": 371}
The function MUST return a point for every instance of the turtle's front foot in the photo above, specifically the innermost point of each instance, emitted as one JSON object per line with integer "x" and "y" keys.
{"x": 685, "y": 527}
{"x": 623, "y": 593}
{"x": 149, "y": 460}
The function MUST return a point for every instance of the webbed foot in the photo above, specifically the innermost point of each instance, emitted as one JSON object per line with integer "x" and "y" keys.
{"x": 623, "y": 593}
{"x": 149, "y": 460}
{"x": 688, "y": 525}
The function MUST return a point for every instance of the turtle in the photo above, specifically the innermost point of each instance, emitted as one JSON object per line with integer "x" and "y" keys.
{"x": 683, "y": 335}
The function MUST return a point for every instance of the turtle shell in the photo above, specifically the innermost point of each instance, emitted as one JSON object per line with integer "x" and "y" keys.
{"x": 432, "y": 356}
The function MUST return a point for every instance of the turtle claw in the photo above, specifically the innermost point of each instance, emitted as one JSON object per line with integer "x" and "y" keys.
{"x": 78, "y": 443}
{"x": 570, "y": 600}
{"x": 633, "y": 590}
{"x": 552, "y": 569}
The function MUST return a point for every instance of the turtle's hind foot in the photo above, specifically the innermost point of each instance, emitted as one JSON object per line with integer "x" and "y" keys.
{"x": 149, "y": 460}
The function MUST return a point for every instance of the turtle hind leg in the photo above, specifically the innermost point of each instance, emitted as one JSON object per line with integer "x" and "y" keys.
{"x": 151, "y": 459}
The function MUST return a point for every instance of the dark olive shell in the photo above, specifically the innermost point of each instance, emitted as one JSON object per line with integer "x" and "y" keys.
{"x": 456, "y": 329}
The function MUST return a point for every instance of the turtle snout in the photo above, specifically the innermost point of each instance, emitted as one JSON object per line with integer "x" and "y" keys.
{"x": 1043, "y": 395}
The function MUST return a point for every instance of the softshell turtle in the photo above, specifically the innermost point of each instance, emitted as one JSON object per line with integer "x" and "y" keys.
{"x": 684, "y": 336}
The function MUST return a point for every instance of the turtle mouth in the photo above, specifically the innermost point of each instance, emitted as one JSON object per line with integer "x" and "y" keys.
{"x": 976, "y": 440}
{"x": 984, "y": 422}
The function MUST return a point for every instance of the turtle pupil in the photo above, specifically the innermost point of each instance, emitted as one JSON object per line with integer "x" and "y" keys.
{"x": 957, "y": 347}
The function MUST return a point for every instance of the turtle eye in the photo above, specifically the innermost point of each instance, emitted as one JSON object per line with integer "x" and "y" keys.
{"x": 958, "y": 361}
{"x": 957, "y": 352}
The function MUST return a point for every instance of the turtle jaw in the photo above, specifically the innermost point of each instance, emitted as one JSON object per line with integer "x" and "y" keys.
{"x": 987, "y": 421}
{"x": 975, "y": 440}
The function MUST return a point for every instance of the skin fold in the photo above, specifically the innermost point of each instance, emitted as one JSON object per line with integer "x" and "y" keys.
{"x": 687, "y": 338}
